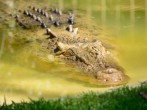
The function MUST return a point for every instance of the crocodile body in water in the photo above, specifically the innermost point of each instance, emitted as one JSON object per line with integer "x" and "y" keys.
{"x": 88, "y": 55}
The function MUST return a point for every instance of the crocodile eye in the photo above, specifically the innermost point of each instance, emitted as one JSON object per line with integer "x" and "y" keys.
{"x": 56, "y": 50}
{"x": 70, "y": 52}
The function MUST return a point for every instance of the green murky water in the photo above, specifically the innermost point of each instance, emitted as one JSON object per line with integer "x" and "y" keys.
{"x": 23, "y": 75}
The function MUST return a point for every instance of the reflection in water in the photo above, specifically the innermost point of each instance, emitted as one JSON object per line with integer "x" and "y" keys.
{"x": 74, "y": 5}
{"x": 2, "y": 44}
{"x": 132, "y": 11}
{"x": 146, "y": 16}
{"x": 88, "y": 8}
{"x": 22, "y": 75}
{"x": 103, "y": 12}
{"x": 61, "y": 4}
{"x": 117, "y": 16}
{"x": 132, "y": 16}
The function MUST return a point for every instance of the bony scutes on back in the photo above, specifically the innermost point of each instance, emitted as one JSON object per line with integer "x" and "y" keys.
{"x": 44, "y": 18}
{"x": 89, "y": 56}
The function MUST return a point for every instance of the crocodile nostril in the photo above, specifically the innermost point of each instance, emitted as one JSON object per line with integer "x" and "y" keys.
{"x": 105, "y": 80}
{"x": 120, "y": 79}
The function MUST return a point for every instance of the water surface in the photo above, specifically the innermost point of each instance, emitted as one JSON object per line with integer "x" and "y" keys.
{"x": 24, "y": 75}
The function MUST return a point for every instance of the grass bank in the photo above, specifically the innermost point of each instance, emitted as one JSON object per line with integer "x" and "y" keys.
{"x": 125, "y": 98}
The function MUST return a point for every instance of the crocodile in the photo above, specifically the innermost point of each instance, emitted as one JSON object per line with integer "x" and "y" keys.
{"x": 90, "y": 56}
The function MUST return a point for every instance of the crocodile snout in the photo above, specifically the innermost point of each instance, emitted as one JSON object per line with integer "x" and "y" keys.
{"x": 111, "y": 76}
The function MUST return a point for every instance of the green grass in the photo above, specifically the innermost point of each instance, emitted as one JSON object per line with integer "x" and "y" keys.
{"x": 125, "y": 98}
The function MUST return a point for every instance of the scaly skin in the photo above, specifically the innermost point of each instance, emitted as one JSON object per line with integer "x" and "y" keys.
{"x": 90, "y": 56}
{"x": 95, "y": 59}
